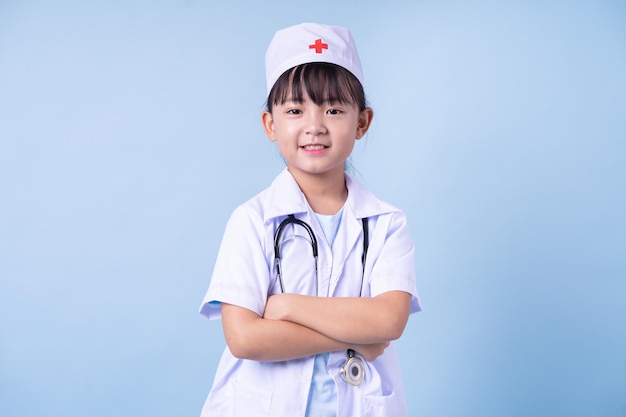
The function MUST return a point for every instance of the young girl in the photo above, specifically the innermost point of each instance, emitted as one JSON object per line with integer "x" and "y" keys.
{"x": 315, "y": 275}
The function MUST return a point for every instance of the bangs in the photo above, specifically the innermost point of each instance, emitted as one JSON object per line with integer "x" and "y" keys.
{"x": 321, "y": 82}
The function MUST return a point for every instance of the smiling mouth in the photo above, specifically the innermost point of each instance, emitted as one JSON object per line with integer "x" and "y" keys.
{"x": 313, "y": 147}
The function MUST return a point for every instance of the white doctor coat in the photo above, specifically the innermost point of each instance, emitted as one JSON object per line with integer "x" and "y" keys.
{"x": 245, "y": 275}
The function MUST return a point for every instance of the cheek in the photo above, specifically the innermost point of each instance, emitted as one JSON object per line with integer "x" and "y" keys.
{"x": 352, "y": 132}
{"x": 283, "y": 130}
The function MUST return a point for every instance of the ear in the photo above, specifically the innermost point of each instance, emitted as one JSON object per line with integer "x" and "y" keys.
{"x": 268, "y": 124}
{"x": 365, "y": 120}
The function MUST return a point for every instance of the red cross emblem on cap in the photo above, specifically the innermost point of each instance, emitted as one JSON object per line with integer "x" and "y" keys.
{"x": 318, "y": 46}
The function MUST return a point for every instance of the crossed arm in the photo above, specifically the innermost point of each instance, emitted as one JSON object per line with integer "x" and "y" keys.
{"x": 294, "y": 326}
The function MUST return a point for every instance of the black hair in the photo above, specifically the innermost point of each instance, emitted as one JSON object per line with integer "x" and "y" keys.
{"x": 322, "y": 82}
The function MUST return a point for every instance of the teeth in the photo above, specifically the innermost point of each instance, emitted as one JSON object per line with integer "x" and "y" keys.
{"x": 314, "y": 147}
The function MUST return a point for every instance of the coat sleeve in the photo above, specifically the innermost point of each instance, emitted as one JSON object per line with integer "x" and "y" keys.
{"x": 394, "y": 267}
{"x": 241, "y": 274}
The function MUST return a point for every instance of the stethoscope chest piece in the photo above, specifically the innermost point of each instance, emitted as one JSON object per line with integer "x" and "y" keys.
{"x": 353, "y": 369}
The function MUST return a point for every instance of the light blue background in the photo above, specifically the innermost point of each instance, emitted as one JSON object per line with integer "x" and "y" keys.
{"x": 129, "y": 130}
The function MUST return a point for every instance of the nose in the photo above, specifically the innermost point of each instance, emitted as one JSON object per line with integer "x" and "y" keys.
{"x": 315, "y": 124}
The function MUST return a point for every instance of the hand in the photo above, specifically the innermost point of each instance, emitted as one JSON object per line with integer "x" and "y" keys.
{"x": 276, "y": 307}
{"x": 372, "y": 351}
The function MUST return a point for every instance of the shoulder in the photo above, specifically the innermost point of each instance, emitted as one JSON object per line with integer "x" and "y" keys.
{"x": 250, "y": 212}
{"x": 364, "y": 203}
{"x": 282, "y": 197}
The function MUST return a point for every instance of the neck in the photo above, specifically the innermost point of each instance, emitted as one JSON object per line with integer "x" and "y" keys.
{"x": 325, "y": 193}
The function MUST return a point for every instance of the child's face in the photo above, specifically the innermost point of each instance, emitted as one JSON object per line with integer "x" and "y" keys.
{"x": 316, "y": 139}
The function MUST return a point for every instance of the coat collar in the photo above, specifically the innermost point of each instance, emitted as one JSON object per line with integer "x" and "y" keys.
{"x": 285, "y": 197}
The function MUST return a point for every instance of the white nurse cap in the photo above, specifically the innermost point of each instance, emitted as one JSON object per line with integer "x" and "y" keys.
{"x": 311, "y": 42}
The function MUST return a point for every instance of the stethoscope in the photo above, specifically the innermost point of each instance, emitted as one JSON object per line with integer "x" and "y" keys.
{"x": 353, "y": 370}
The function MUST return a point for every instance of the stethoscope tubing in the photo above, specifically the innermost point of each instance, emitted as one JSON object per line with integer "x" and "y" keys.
{"x": 291, "y": 219}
